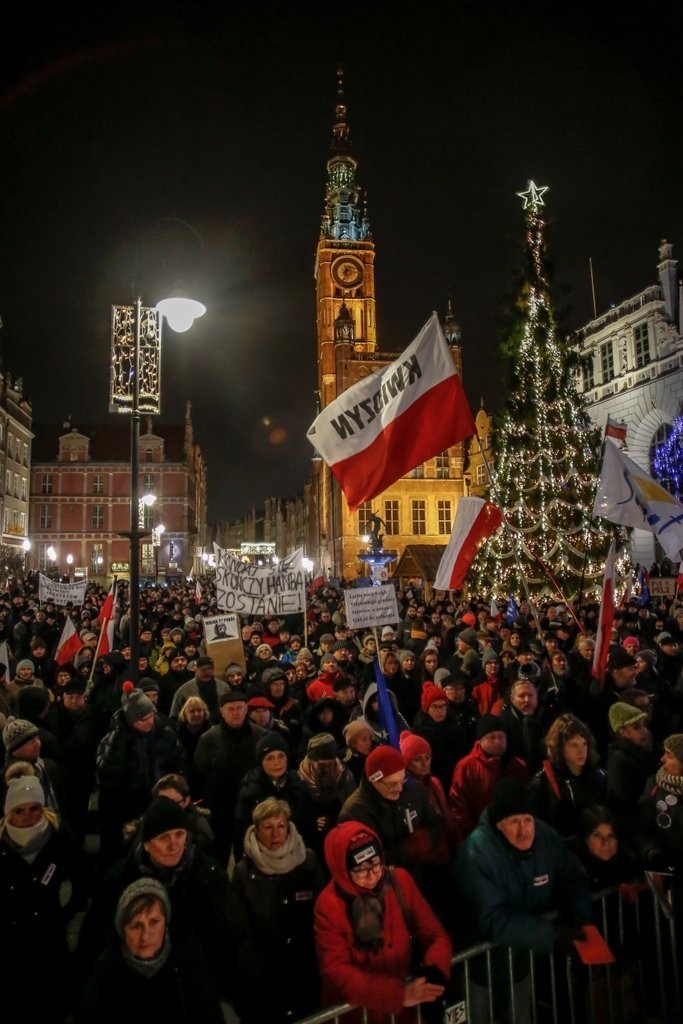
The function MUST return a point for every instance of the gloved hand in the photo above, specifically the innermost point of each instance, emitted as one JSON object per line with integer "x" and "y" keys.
{"x": 655, "y": 860}
{"x": 433, "y": 974}
{"x": 566, "y": 935}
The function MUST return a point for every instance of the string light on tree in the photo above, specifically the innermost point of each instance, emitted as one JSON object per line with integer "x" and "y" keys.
{"x": 545, "y": 450}
{"x": 668, "y": 459}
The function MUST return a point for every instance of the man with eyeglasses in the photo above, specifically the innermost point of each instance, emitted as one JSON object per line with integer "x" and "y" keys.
{"x": 397, "y": 809}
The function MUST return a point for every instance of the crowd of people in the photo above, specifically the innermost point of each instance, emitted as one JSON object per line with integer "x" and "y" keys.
{"x": 251, "y": 837}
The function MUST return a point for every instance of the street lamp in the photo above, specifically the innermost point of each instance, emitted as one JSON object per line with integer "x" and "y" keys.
{"x": 135, "y": 388}
{"x": 69, "y": 562}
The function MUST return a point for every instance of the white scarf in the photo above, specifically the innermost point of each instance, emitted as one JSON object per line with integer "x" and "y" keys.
{"x": 276, "y": 862}
{"x": 29, "y": 841}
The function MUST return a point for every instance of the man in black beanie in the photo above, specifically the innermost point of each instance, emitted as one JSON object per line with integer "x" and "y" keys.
{"x": 477, "y": 775}
{"x": 225, "y": 753}
{"x": 508, "y": 874}
{"x": 203, "y": 904}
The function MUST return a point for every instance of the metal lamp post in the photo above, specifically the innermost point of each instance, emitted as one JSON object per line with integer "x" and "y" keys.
{"x": 135, "y": 388}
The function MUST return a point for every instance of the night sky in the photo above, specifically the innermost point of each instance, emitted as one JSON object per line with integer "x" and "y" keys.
{"x": 143, "y": 146}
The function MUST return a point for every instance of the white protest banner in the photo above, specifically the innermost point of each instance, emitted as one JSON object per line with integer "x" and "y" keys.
{"x": 61, "y": 593}
{"x": 371, "y": 606}
{"x": 259, "y": 590}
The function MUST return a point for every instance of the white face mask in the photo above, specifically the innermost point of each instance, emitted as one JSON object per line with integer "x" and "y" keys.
{"x": 23, "y": 836}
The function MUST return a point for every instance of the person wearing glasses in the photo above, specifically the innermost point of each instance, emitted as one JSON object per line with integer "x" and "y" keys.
{"x": 398, "y": 809}
{"x": 364, "y": 920}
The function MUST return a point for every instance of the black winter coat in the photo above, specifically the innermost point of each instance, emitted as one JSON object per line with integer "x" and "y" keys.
{"x": 448, "y": 742}
{"x": 129, "y": 763}
{"x": 576, "y": 793}
{"x": 182, "y": 992}
{"x": 279, "y": 981}
{"x": 33, "y": 920}
{"x": 203, "y": 907}
{"x": 223, "y": 757}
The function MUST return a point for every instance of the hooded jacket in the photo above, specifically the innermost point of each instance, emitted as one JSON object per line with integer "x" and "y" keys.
{"x": 364, "y": 711}
{"x": 375, "y": 981}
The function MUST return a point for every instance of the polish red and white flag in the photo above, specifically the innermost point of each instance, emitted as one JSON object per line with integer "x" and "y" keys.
{"x": 394, "y": 420}
{"x": 318, "y": 579}
{"x": 616, "y": 429}
{"x": 475, "y": 521}
{"x": 603, "y": 637}
{"x": 106, "y": 617}
{"x": 69, "y": 643}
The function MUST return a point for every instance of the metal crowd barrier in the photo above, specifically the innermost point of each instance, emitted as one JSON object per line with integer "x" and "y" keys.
{"x": 642, "y": 985}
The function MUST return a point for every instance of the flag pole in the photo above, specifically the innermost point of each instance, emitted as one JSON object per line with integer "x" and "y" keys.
{"x": 554, "y": 582}
{"x": 103, "y": 627}
{"x": 508, "y": 530}
{"x": 592, "y": 519}
{"x": 384, "y": 704}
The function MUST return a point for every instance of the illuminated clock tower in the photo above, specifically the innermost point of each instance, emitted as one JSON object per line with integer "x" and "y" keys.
{"x": 420, "y": 506}
{"x": 345, "y": 259}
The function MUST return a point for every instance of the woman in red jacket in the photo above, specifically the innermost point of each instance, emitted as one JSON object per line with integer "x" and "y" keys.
{"x": 364, "y": 919}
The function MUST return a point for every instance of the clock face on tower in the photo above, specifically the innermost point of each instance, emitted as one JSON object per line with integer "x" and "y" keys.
{"x": 347, "y": 272}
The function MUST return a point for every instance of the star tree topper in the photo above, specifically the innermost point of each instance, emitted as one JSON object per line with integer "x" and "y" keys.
{"x": 533, "y": 197}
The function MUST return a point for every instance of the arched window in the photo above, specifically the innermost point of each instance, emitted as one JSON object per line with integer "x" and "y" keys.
{"x": 666, "y": 458}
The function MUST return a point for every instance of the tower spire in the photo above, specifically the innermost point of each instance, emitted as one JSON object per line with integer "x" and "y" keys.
{"x": 345, "y": 216}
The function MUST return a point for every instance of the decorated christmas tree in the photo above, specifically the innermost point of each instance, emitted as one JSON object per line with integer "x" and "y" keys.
{"x": 545, "y": 450}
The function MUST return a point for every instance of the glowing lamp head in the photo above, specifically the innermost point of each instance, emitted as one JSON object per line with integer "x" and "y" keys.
{"x": 180, "y": 313}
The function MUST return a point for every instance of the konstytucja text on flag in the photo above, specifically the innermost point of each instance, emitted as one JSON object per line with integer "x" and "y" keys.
{"x": 391, "y": 421}
{"x": 360, "y": 415}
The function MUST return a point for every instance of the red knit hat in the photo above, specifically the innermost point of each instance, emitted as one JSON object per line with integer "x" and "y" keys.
{"x": 383, "y": 761}
{"x": 413, "y": 745}
{"x": 430, "y": 695}
{"x": 260, "y": 702}
{"x": 469, "y": 618}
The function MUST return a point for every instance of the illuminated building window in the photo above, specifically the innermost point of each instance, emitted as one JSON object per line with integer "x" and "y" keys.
{"x": 607, "y": 362}
{"x": 444, "y": 516}
{"x": 391, "y": 516}
{"x": 364, "y": 513}
{"x": 96, "y": 559}
{"x": 641, "y": 336}
{"x": 443, "y": 469}
{"x": 45, "y": 517}
{"x": 98, "y": 484}
{"x": 418, "y": 516}
{"x": 588, "y": 373}
{"x": 46, "y": 484}
{"x": 97, "y": 517}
